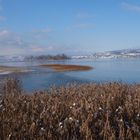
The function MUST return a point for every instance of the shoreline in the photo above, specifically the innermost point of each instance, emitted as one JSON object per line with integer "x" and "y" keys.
{"x": 4, "y": 70}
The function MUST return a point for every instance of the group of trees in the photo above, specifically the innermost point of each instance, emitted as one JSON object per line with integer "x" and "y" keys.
{"x": 48, "y": 57}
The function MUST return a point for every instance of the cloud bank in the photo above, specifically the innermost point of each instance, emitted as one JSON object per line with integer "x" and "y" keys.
{"x": 130, "y": 7}
{"x": 13, "y": 44}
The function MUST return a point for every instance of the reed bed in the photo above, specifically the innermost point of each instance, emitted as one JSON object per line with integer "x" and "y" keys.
{"x": 63, "y": 68}
{"x": 109, "y": 111}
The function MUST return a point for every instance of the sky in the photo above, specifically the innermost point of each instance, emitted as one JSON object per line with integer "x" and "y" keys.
{"x": 72, "y": 27}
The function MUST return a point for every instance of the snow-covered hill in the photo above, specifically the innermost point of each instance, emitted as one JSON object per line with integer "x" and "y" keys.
{"x": 128, "y": 53}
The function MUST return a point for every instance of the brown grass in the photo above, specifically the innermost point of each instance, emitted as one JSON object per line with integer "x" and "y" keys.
{"x": 109, "y": 111}
{"x": 62, "y": 68}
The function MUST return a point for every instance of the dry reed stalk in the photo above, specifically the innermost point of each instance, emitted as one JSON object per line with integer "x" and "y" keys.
{"x": 106, "y": 111}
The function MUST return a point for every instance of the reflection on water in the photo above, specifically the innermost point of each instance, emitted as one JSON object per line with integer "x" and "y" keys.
{"x": 125, "y": 70}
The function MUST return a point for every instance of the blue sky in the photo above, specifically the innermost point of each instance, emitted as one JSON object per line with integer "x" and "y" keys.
{"x": 68, "y": 26}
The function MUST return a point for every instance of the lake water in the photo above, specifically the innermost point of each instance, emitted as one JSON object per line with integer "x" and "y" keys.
{"x": 105, "y": 70}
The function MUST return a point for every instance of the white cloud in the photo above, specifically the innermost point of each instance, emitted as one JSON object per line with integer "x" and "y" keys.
{"x": 84, "y": 15}
{"x": 1, "y": 8}
{"x": 2, "y": 18}
{"x": 46, "y": 30}
{"x": 130, "y": 7}
{"x": 83, "y": 21}
{"x": 9, "y": 38}
{"x": 85, "y": 25}
{"x": 40, "y": 34}
{"x": 13, "y": 44}
{"x": 4, "y": 33}
{"x": 10, "y": 43}
{"x": 36, "y": 48}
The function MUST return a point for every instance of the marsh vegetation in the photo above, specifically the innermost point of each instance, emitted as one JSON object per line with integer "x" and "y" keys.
{"x": 63, "y": 68}
{"x": 79, "y": 112}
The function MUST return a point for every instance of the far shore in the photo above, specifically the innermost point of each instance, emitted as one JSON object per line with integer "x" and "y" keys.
{"x": 63, "y": 68}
